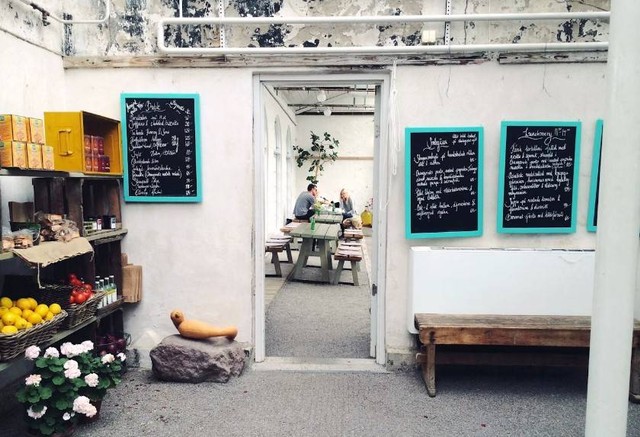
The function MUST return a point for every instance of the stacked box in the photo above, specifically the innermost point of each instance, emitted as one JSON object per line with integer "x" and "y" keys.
{"x": 36, "y": 130}
{"x": 47, "y": 158}
{"x": 13, "y": 128}
{"x": 13, "y": 154}
{"x": 34, "y": 156}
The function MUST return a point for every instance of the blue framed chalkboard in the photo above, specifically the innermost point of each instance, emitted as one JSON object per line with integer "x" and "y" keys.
{"x": 594, "y": 192}
{"x": 538, "y": 177}
{"x": 443, "y": 182}
{"x": 161, "y": 147}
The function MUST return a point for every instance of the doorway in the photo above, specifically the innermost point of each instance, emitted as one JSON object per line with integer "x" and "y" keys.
{"x": 266, "y": 215}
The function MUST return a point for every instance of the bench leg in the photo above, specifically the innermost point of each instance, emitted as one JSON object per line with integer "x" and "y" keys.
{"x": 275, "y": 259}
{"x": 338, "y": 272}
{"x": 634, "y": 386}
{"x": 427, "y": 362}
{"x": 354, "y": 272}
{"x": 289, "y": 256}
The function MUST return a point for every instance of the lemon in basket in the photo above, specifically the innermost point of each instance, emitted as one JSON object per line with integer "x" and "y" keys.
{"x": 9, "y": 318}
{"x": 35, "y": 318}
{"x": 49, "y": 316}
{"x": 32, "y": 303}
{"x": 42, "y": 309}
{"x": 9, "y": 329}
{"x": 23, "y": 303}
{"x": 55, "y": 308}
{"x": 3, "y": 310}
{"x": 26, "y": 313}
{"x": 6, "y": 302}
{"x": 15, "y": 310}
{"x": 21, "y": 324}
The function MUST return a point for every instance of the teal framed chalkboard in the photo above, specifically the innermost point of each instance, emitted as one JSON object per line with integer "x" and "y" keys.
{"x": 161, "y": 147}
{"x": 538, "y": 176}
{"x": 594, "y": 192}
{"x": 443, "y": 182}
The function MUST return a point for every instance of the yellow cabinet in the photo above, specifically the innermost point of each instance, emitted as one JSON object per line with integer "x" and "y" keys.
{"x": 84, "y": 142}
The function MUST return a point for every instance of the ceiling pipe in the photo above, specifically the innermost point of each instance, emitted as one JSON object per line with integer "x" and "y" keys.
{"x": 379, "y": 50}
{"x": 46, "y": 14}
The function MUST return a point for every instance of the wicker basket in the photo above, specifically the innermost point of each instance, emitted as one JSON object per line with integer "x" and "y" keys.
{"x": 55, "y": 293}
{"x": 14, "y": 344}
{"x": 79, "y": 313}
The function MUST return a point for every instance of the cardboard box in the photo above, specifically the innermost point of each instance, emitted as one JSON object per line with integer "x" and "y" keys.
{"x": 13, "y": 128}
{"x": 34, "y": 156}
{"x": 48, "y": 162}
{"x": 36, "y": 130}
{"x": 13, "y": 154}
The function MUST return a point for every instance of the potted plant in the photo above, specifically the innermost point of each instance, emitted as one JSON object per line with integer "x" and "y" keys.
{"x": 321, "y": 152}
{"x": 69, "y": 381}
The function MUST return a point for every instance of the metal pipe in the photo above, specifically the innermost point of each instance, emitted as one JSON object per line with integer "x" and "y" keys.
{"x": 46, "y": 14}
{"x": 378, "y": 50}
{"x": 382, "y": 50}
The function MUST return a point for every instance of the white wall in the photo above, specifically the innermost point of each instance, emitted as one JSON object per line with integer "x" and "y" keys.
{"x": 356, "y": 136}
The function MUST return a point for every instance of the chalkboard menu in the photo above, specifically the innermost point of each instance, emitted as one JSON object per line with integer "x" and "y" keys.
{"x": 161, "y": 147}
{"x": 592, "y": 215}
{"x": 538, "y": 176}
{"x": 443, "y": 182}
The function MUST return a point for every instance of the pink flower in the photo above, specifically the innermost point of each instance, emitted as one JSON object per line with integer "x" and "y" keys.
{"x": 32, "y": 352}
{"x": 37, "y": 415}
{"x": 33, "y": 380}
{"x": 107, "y": 358}
{"x": 72, "y": 373}
{"x": 87, "y": 345}
{"x": 51, "y": 352}
{"x": 82, "y": 405}
{"x": 92, "y": 379}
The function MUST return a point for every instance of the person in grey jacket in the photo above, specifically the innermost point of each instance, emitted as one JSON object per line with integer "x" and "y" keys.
{"x": 347, "y": 204}
{"x": 303, "y": 209}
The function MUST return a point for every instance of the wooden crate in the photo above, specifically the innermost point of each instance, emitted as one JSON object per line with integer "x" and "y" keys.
{"x": 66, "y": 131}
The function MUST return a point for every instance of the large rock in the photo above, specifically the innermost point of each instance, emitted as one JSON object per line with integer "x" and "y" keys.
{"x": 182, "y": 359}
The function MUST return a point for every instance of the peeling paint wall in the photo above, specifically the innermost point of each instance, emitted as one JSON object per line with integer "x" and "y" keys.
{"x": 132, "y": 26}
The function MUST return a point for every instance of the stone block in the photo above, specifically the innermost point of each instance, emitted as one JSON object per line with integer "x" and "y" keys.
{"x": 180, "y": 359}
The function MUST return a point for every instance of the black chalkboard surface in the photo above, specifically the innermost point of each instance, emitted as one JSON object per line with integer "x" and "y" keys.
{"x": 443, "y": 182}
{"x": 538, "y": 175}
{"x": 161, "y": 147}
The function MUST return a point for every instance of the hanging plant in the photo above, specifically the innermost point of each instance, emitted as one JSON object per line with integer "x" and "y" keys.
{"x": 321, "y": 152}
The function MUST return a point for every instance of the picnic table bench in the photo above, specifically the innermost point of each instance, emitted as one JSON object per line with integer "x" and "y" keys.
{"x": 557, "y": 333}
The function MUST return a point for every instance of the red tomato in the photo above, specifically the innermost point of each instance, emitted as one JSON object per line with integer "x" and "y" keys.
{"x": 87, "y": 287}
{"x": 72, "y": 298}
{"x": 81, "y": 298}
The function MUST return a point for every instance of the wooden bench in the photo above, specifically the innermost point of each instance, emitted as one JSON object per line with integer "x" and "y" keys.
{"x": 275, "y": 245}
{"x": 351, "y": 252}
{"x": 556, "y": 333}
{"x": 352, "y": 234}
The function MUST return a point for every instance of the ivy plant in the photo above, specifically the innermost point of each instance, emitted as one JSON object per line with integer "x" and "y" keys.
{"x": 322, "y": 151}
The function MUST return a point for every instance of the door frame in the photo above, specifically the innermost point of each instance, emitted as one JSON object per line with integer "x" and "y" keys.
{"x": 380, "y": 191}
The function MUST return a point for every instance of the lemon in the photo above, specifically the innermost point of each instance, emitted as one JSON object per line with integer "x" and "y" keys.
{"x": 26, "y": 313}
{"x": 6, "y": 302}
{"x": 49, "y": 316}
{"x": 23, "y": 303}
{"x": 35, "y": 318}
{"x": 29, "y": 325}
{"x": 42, "y": 309}
{"x": 20, "y": 324}
{"x": 15, "y": 310}
{"x": 32, "y": 303}
{"x": 9, "y": 330}
{"x": 55, "y": 308}
{"x": 3, "y": 310}
{"x": 9, "y": 318}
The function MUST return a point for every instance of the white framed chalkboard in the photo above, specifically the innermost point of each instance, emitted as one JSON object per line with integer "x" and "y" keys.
{"x": 161, "y": 147}
{"x": 538, "y": 177}
{"x": 443, "y": 181}
{"x": 594, "y": 193}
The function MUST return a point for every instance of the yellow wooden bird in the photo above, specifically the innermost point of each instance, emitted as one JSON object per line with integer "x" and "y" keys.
{"x": 199, "y": 330}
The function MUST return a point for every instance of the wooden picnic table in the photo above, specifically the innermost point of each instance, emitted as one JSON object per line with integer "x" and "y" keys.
{"x": 324, "y": 234}
{"x": 327, "y": 216}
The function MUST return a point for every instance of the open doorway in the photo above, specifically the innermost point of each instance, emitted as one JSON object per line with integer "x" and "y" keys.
{"x": 279, "y": 105}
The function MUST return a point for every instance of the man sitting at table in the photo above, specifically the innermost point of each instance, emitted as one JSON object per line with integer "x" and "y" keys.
{"x": 303, "y": 209}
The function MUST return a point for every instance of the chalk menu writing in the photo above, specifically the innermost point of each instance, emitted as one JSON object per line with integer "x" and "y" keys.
{"x": 443, "y": 182}
{"x": 161, "y": 147}
{"x": 537, "y": 177}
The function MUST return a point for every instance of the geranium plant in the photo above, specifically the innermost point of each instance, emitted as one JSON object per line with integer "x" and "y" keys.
{"x": 64, "y": 383}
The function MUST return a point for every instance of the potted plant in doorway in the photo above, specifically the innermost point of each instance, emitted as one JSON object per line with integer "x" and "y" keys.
{"x": 322, "y": 151}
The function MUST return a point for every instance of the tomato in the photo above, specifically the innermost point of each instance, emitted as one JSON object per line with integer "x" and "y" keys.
{"x": 81, "y": 298}
{"x": 72, "y": 298}
{"x": 87, "y": 287}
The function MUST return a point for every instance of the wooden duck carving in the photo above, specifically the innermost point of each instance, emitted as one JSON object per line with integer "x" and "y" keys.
{"x": 199, "y": 330}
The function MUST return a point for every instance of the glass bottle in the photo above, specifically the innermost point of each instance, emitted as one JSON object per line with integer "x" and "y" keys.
{"x": 313, "y": 223}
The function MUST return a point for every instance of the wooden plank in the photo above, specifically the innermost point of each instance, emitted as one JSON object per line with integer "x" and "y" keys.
{"x": 490, "y": 321}
{"x": 75, "y": 205}
{"x": 506, "y": 337}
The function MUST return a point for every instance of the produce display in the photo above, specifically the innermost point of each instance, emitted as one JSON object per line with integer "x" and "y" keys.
{"x": 81, "y": 292}
{"x": 111, "y": 344}
{"x": 24, "y": 313}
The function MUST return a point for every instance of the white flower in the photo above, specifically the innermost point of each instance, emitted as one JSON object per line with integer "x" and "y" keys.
{"x": 122, "y": 357}
{"x": 87, "y": 345}
{"x": 107, "y": 358}
{"x": 92, "y": 379}
{"x": 70, "y": 350}
{"x": 66, "y": 416}
{"x": 33, "y": 380}
{"x": 32, "y": 352}
{"x": 71, "y": 364}
{"x": 51, "y": 352}
{"x": 37, "y": 415}
{"x": 81, "y": 404}
{"x": 72, "y": 373}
